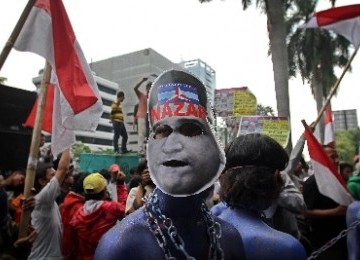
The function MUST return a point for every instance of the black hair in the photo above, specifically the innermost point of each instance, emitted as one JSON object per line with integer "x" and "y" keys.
{"x": 148, "y": 85}
{"x": 142, "y": 166}
{"x": 78, "y": 186}
{"x": 106, "y": 174}
{"x": 120, "y": 94}
{"x": 251, "y": 176}
{"x": 96, "y": 196}
{"x": 345, "y": 165}
{"x": 40, "y": 174}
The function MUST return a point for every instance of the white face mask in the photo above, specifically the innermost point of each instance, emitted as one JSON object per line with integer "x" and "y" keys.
{"x": 183, "y": 156}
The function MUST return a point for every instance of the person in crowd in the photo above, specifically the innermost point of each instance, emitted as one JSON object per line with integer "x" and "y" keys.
{"x": 94, "y": 218}
{"x": 117, "y": 119}
{"x": 353, "y": 235}
{"x": 250, "y": 183}
{"x": 73, "y": 201}
{"x": 345, "y": 170}
{"x": 45, "y": 218}
{"x": 354, "y": 182}
{"x": 141, "y": 115}
{"x": 145, "y": 187}
{"x": 175, "y": 223}
{"x": 134, "y": 179}
{"x": 326, "y": 217}
{"x": 135, "y": 121}
{"x": 14, "y": 186}
{"x": 118, "y": 185}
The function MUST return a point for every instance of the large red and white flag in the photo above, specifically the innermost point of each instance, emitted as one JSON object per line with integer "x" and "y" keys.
{"x": 77, "y": 103}
{"x": 327, "y": 177}
{"x": 344, "y": 20}
{"x": 329, "y": 135}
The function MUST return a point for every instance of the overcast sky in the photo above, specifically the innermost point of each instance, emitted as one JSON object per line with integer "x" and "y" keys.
{"x": 231, "y": 41}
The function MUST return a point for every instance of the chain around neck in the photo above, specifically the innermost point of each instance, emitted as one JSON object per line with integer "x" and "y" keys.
{"x": 160, "y": 225}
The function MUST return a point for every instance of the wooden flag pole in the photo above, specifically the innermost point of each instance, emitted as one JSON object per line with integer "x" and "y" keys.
{"x": 15, "y": 33}
{"x": 34, "y": 148}
{"x": 334, "y": 88}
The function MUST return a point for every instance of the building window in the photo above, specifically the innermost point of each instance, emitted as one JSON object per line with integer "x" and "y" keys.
{"x": 106, "y": 89}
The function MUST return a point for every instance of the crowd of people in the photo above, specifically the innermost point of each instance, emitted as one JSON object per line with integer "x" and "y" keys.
{"x": 188, "y": 199}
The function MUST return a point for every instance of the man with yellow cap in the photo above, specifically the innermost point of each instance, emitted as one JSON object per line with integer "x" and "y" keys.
{"x": 96, "y": 217}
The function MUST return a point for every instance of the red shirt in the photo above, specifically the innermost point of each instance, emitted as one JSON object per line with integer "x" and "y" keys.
{"x": 89, "y": 228}
{"x": 71, "y": 204}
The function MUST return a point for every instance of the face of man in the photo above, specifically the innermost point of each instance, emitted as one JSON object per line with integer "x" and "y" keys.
{"x": 183, "y": 156}
{"x": 333, "y": 155}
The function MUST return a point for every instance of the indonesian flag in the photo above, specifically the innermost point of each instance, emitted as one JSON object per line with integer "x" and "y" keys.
{"x": 77, "y": 103}
{"x": 343, "y": 20}
{"x": 48, "y": 111}
{"x": 328, "y": 180}
{"x": 329, "y": 136}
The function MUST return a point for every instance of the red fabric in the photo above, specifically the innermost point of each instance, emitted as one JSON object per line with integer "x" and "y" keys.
{"x": 48, "y": 111}
{"x": 68, "y": 67}
{"x": 317, "y": 153}
{"x": 89, "y": 228}
{"x": 71, "y": 204}
{"x": 122, "y": 194}
{"x": 337, "y": 14}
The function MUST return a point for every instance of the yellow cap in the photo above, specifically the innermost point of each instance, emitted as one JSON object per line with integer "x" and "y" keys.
{"x": 94, "y": 183}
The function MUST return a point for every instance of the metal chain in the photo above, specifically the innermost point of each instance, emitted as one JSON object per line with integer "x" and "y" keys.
{"x": 329, "y": 244}
{"x": 156, "y": 220}
{"x": 214, "y": 232}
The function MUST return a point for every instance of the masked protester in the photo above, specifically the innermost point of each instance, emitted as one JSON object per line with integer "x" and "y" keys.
{"x": 184, "y": 161}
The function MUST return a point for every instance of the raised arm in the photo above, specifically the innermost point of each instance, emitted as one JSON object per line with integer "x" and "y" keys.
{"x": 63, "y": 166}
{"x": 137, "y": 86}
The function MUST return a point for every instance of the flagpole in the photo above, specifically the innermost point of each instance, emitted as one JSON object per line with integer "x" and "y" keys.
{"x": 334, "y": 88}
{"x": 15, "y": 33}
{"x": 34, "y": 148}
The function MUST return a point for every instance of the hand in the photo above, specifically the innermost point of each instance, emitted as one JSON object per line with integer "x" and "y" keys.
{"x": 145, "y": 178}
{"x": 121, "y": 176}
{"x": 26, "y": 241}
{"x": 144, "y": 79}
{"x": 29, "y": 203}
{"x": 340, "y": 210}
{"x": 312, "y": 127}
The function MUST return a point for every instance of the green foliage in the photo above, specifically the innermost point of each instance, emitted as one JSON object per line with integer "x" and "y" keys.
{"x": 3, "y": 80}
{"x": 264, "y": 110}
{"x": 78, "y": 149}
{"x": 347, "y": 144}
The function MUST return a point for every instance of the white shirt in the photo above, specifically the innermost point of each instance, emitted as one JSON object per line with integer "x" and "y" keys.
{"x": 46, "y": 220}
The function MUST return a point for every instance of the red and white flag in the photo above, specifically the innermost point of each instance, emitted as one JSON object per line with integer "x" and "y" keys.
{"x": 344, "y": 20}
{"x": 327, "y": 177}
{"x": 77, "y": 102}
{"x": 48, "y": 111}
{"x": 329, "y": 136}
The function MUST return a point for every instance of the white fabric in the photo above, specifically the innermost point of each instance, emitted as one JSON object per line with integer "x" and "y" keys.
{"x": 349, "y": 28}
{"x": 141, "y": 134}
{"x": 329, "y": 186}
{"x": 329, "y": 133}
{"x": 37, "y": 36}
{"x": 46, "y": 220}
{"x": 130, "y": 198}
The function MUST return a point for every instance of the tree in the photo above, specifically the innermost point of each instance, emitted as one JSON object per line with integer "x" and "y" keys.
{"x": 264, "y": 110}
{"x": 3, "y": 80}
{"x": 313, "y": 53}
{"x": 275, "y": 10}
{"x": 347, "y": 144}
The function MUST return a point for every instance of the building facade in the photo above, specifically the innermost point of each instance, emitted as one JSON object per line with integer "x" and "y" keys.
{"x": 345, "y": 120}
{"x": 127, "y": 70}
{"x": 204, "y": 72}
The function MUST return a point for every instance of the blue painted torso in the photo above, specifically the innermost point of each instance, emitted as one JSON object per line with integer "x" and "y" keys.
{"x": 132, "y": 239}
{"x": 261, "y": 241}
{"x": 353, "y": 237}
